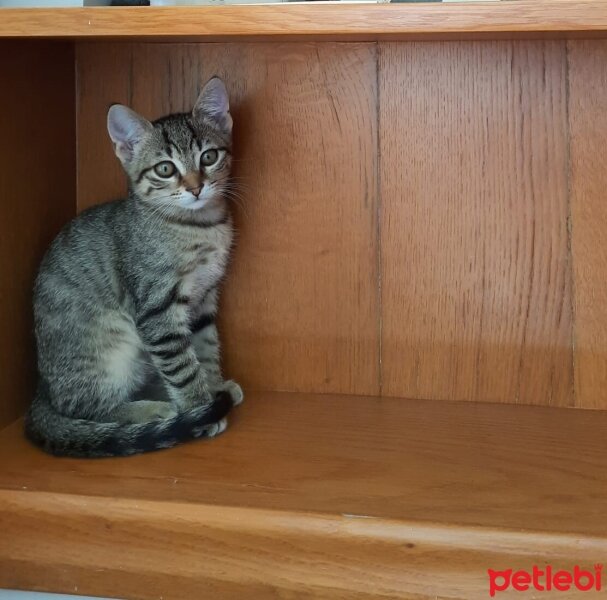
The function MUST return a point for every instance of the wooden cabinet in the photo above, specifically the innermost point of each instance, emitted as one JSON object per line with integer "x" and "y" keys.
{"x": 421, "y": 259}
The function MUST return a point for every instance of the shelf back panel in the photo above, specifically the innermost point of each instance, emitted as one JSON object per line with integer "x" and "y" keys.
{"x": 406, "y": 222}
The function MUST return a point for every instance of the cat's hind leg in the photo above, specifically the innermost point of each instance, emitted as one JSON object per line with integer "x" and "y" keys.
{"x": 124, "y": 369}
{"x": 143, "y": 411}
{"x": 129, "y": 367}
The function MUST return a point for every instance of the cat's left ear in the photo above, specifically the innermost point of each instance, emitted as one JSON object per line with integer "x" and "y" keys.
{"x": 213, "y": 106}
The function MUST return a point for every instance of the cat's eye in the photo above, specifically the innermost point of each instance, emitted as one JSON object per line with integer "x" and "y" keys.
{"x": 208, "y": 158}
{"x": 165, "y": 169}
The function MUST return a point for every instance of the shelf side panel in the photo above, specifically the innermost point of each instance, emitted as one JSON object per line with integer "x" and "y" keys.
{"x": 37, "y": 194}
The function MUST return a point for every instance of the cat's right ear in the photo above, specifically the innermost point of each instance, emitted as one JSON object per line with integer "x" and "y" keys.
{"x": 213, "y": 105}
{"x": 127, "y": 129}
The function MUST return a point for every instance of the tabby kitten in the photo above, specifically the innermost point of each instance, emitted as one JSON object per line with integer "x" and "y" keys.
{"x": 126, "y": 296}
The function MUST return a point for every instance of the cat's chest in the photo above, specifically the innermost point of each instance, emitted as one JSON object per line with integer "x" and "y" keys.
{"x": 205, "y": 264}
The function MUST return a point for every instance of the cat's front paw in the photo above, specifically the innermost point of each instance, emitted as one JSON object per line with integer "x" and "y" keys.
{"x": 212, "y": 430}
{"x": 233, "y": 389}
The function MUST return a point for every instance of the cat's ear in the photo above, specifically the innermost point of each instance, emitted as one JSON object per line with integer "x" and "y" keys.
{"x": 213, "y": 106}
{"x": 127, "y": 129}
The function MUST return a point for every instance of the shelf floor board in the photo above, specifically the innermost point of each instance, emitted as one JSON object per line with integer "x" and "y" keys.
{"x": 322, "y": 485}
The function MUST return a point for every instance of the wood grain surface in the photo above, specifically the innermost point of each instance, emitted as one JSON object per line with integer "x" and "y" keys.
{"x": 344, "y": 22}
{"x": 476, "y": 298}
{"x": 379, "y": 497}
{"x": 300, "y": 306}
{"x": 588, "y": 124}
{"x": 457, "y": 173}
{"x": 37, "y": 194}
{"x": 467, "y": 464}
{"x": 147, "y": 550}
{"x": 476, "y": 295}
{"x": 417, "y": 219}
{"x": 102, "y": 80}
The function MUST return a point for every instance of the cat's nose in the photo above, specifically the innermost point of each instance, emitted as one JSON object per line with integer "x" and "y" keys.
{"x": 196, "y": 191}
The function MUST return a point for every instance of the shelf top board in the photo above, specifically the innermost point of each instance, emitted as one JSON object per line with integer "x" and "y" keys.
{"x": 338, "y": 21}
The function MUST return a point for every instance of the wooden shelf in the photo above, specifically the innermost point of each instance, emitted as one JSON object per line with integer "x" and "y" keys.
{"x": 322, "y": 496}
{"x": 526, "y": 18}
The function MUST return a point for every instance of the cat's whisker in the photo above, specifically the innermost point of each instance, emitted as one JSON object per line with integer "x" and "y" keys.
{"x": 239, "y": 201}
{"x": 238, "y": 187}
{"x": 240, "y": 181}
{"x": 236, "y": 191}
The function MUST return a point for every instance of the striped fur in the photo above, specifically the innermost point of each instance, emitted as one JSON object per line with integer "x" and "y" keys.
{"x": 126, "y": 296}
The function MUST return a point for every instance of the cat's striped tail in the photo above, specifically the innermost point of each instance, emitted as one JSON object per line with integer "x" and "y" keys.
{"x": 63, "y": 436}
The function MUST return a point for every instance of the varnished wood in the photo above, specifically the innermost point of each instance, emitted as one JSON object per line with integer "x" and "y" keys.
{"x": 428, "y": 219}
{"x": 100, "y": 176}
{"x": 476, "y": 275}
{"x": 314, "y": 496}
{"x": 140, "y": 549}
{"x": 37, "y": 194}
{"x": 467, "y": 464}
{"x": 476, "y": 298}
{"x": 340, "y": 21}
{"x": 299, "y": 310}
{"x": 588, "y": 123}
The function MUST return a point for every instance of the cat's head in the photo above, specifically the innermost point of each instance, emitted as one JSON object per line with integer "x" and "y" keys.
{"x": 181, "y": 161}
